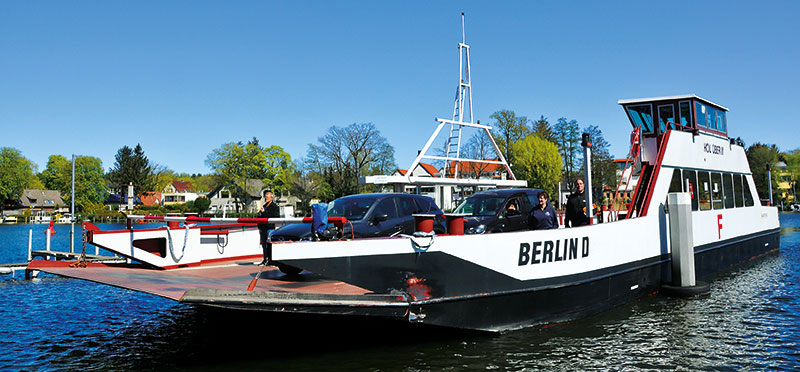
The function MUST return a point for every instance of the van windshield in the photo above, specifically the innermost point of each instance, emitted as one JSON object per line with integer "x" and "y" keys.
{"x": 481, "y": 205}
{"x": 352, "y": 207}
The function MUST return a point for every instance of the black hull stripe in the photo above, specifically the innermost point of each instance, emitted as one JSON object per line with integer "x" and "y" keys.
{"x": 578, "y": 279}
{"x": 553, "y": 305}
{"x": 739, "y": 239}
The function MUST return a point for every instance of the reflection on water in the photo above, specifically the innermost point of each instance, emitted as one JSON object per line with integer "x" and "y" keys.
{"x": 750, "y": 322}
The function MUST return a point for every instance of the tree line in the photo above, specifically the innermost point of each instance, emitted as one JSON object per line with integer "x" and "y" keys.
{"x": 329, "y": 170}
{"x": 764, "y": 157}
{"x": 546, "y": 154}
{"x": 538, "y": 151}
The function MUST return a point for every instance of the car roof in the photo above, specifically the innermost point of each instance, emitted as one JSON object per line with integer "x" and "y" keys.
{"x": 386, "y": 195}
{"x": 507, "y": 192}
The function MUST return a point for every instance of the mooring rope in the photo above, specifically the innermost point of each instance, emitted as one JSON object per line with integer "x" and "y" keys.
{"x": 418, "y": 248}
{"x": 221, "y": 247}
{"x": 183, "y": 249}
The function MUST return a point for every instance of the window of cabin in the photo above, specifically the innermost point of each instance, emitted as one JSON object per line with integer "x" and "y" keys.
{"x": 711, "y": 118}
{"x": 666, "y": 115}
{"x": 685, "y": 110}
{"x": 690, "y": 185}
{"x": 716, "y": 190}
{"x": 721, "y": 121}
{"x": 642, "y": 115}
{"x": 748, "y": 196}
{"x": 700, "y": 112}
{"x": 676, "y": 185}
{"x": 727, "y": 190}
{"x": 705, "y": 190}
{"x": 737, "y": 190}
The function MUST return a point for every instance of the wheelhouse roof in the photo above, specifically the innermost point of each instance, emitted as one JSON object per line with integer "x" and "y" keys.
{"x": 670, "y": 98}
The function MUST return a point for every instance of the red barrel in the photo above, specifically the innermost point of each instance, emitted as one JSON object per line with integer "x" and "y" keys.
{"x": 455, "y": 224}
{"x": 173, "y": 224}
{"x": 424, "y": 222}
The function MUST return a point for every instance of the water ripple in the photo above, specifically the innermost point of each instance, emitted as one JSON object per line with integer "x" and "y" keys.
{"x": 749, "y": 322}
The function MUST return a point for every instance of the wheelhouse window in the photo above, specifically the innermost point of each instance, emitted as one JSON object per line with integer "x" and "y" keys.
{"x": 666, "y": 115}
{"x": 685, "y": 110}
{"x": 700, "y": 112}
{"x": 727, "y": 190}
{"x": 721, "y": 121}
{"x": 642, "y": 115}
{"x": 716, "y": 190}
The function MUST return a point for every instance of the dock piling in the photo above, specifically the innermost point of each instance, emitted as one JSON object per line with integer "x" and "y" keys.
{"x": 684, "y": 283}
{"x": 30, "y": 244}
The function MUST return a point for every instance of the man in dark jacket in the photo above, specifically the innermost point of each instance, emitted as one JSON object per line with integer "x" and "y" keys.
{"x": 544, "y": 215}
{"x": 268, "y": 210}
{"x": 576, "y": 202}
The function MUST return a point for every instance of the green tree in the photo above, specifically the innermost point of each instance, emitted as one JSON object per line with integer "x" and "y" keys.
{"x": 568, "y": 140}
{"x": 35, "y": 184}
{"x": 90, "y": 184}
{"x": 200, "y": 205}
{"x": 604, "y": 172}
{"x": 792, "y": 159}
{"x": 132, "y": 166}
{"x": 507, "y": 129}
{"x": 235, "y": 163}
{"x": 344, "y": 154}
{"x": 543, "y": 129}
{"x": 538, "y": 161}
{"x": 16, "y": 172}
{"x": 760, "y": 156}
{"x": 52, "y": 176}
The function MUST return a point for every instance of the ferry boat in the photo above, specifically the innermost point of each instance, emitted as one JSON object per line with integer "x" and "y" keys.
{"x": 486, "y": 281}
{"x": 490, "y": 282}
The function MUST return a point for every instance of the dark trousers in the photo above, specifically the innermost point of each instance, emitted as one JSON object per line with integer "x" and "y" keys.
{"x": 266, "y": 245}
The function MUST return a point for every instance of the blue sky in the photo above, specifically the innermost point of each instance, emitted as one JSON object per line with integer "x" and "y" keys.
{"x": 184, "y": 77}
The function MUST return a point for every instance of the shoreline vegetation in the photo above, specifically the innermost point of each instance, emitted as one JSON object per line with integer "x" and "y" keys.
{"x": 545, "y": 154}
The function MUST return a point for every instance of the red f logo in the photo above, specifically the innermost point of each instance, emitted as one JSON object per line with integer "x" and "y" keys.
{"x": 719, "y": 225}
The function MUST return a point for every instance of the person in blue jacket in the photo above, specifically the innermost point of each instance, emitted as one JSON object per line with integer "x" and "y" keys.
{"x": 544, "y": 215}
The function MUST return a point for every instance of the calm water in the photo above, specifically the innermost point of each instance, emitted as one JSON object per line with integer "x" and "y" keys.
{"x": 751, "y": 321}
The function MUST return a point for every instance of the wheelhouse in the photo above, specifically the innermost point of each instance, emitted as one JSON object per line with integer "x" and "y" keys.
{"x": 685, "y": 112}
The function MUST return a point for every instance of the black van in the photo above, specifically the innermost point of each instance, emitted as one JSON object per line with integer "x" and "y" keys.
{"x": 372, "y": 215}
{"x": 498, "y": 210}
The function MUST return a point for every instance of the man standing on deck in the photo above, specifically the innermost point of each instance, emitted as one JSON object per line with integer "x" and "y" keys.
{"x": 268, "y": 210}
{"x": 576, "y": 203}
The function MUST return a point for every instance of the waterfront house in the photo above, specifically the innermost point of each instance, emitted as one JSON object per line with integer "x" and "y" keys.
{"x": 49, "y": 201}
{"x": 177, "y": 192}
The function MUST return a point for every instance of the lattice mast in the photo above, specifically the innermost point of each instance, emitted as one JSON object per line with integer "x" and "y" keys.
{"x": 463, "y": 91}
{"x": 452, "y": 148}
